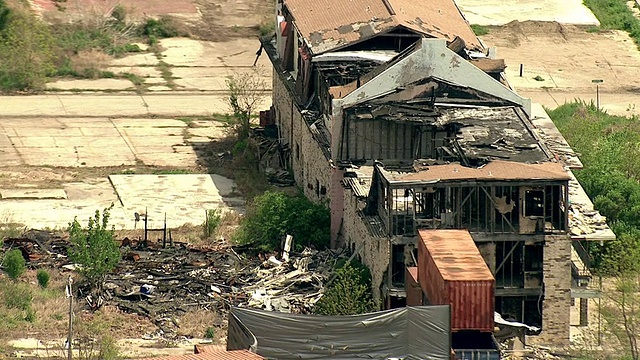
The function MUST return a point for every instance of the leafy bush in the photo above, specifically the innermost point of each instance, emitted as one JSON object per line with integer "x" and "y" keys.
{"x": 14, "y": 264}
{"x": 94, "y": 247}
{"x": 4, "y": 14}
{"x": 211, "y": 223}
{"x": 164, "y": 27}
{"x": 43, "y": 278}
{"x": 272, "y": 215}
{"x": 26, "y": 51}
{"x": 210, "y": 333}
{"x": 349, "y": 293}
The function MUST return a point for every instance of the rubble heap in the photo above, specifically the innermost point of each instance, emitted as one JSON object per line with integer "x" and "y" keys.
{"x": 163, "y": 283}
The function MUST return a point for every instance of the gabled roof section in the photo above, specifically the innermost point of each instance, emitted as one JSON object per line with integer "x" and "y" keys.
{"x": 432, "y": 59}
{"x": 331, "y": 24}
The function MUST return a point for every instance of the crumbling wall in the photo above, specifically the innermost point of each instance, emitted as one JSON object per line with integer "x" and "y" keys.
{"x": 488, "y": 252}
{"x": 372, "y": 251}
{"x": 557, "y": 297}
{"x": 311, "y": 169}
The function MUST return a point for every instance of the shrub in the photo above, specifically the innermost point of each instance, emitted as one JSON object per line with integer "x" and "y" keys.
{"x": 479, "y": 30}
{"x": 211, "y": 223}
{"x": 210, "y": 333}
{"x": 349, "y": 293}
{"x": 272, "y": 215}
{"x": 14, "y": 264}
{"x": 94, "y": 247}
{"x": 26, "y": 52}
{"x": 43, "y": 278}
{"x": 164, "y": 27}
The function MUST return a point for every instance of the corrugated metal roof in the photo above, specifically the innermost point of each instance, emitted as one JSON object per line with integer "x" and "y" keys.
{"x": 332, "y": 24}
{"x": 359, "y": 186}
{"x": 456, "y": 255}
{"x": 214, "y": 355}
{"x": 495, "y": 170}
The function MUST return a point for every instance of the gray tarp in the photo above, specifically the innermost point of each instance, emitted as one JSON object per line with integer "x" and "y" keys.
{"x": 421, "y": 332}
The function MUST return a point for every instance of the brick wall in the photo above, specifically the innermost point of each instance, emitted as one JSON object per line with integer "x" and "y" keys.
{"x": 372, "y": 251}
{"x": 314, "y": 174}
{"x": 557, "y": 298}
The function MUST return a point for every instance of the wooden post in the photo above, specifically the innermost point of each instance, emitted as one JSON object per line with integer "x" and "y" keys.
{"x": 69, "y": 293}
{"x": 164, "y": 232}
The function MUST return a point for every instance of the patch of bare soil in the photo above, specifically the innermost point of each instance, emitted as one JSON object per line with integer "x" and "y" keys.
{"x": 223, "y": 20}
{"x": 567, "y": 55}
{"x": 36, "y": 176}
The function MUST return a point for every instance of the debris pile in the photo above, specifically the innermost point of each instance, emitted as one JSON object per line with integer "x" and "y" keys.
{"x": 583, "y": 219}
{"x": 528, "y": 352}
{"x": 164, "y": 283}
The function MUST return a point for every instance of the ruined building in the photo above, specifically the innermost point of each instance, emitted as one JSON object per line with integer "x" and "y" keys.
{"x": 397, "y": 114}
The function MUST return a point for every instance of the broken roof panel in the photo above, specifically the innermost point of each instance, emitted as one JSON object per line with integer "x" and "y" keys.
{"x": 492, "y": 171}
{"x": 332, "y": 24}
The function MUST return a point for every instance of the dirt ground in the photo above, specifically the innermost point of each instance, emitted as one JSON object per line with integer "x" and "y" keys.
{"x": 565, "y": 59}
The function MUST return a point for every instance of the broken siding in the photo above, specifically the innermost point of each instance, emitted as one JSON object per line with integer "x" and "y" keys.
{"x": 379, "y": 140}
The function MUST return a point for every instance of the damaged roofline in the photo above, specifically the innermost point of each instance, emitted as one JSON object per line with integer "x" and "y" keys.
{"x": 432, "y": 58}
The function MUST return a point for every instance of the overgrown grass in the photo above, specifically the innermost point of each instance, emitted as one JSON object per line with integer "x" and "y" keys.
{"x": 479, "y": 30}
{"x": 615, "y": 15}
{"x": 608, "y": 148}
{"x": 267, "y": 27}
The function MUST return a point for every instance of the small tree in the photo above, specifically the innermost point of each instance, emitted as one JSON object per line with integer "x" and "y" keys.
{"x": 246, "y": 94}
{"x": 94, "y": 247}
{"x": 349, "y": 294}
{"x": 14, "y": 264}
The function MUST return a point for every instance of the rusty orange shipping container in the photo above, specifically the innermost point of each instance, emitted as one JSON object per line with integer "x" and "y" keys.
{"x": 452, "y": 271}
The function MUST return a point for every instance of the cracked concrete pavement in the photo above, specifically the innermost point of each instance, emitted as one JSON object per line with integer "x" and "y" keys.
{"x": 86, "y": 128}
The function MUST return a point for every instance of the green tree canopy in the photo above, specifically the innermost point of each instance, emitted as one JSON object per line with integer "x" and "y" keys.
{"x": 94, "y": 247}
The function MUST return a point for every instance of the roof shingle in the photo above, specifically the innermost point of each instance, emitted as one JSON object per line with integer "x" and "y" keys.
{"x": 331, "y": 24}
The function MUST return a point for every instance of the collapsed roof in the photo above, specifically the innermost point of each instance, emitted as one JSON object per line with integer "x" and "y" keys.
{"x": 333, "y": 24}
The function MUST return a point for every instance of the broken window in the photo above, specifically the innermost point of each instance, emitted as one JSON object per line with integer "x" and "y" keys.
{"x": 525, "y": 309}
{"x": 510, "y": 269}
{"x": 534, "y": 203}
{"x": 397, "y": 266}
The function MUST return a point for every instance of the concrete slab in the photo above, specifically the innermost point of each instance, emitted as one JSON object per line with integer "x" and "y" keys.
{"x": 497, "y": 12}
{"x": 32, "y": 194}
{"x": 144, "y": 59}
{"x": 159, "y": 88}
{"x": 236, "y": 53}
{"x": 214, "y": 78}
{"x": 97, "y": 84}
{"x": 98, "y": 105}
{"x": 142, "y": 71}
{"x": 146, "y": 122}
{"x": 185, "y": 197}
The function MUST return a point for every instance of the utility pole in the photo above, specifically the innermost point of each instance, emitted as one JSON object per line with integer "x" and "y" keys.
{"x": 69, "y": 293}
